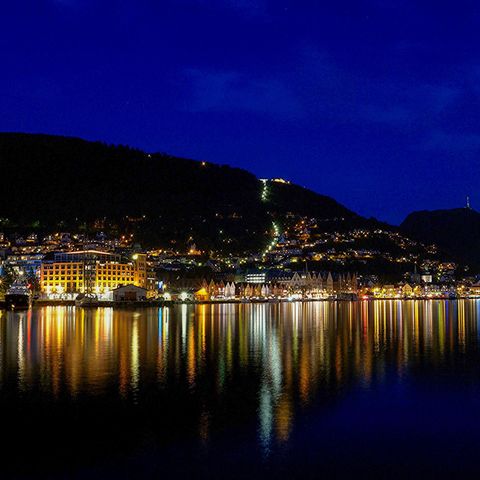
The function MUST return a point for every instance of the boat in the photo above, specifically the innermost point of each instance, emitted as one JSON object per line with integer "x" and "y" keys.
{"x": 18, "y": 296}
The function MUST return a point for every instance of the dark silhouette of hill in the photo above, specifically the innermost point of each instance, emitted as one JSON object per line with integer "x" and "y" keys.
{"x": 456, "y": 231}
{"x": 53, "y": 182}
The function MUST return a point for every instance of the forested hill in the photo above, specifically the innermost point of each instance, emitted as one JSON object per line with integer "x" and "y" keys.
{"x": 456, "y": 230}
{"x": 53, "y": 182}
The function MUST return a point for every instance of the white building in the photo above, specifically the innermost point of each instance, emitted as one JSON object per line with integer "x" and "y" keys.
{"x": 129, "y": 293}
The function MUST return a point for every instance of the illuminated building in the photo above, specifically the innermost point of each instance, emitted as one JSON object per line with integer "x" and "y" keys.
{"x": 91, "y": 271}
{"x": 27, "y": 263}
{"x": 257, "y": 277}
{"x": 202, "y": 294}
{"x": 407, "y": 290}
{"x": 475, "y": 290}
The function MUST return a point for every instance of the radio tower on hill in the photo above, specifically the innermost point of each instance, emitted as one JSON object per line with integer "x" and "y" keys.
{"x": 467, "y": 205}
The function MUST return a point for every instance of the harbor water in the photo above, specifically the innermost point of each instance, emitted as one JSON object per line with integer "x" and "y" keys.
{"x": 382, "y": 389}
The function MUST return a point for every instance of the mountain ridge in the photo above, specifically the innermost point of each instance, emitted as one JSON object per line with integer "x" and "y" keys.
{"x": 57, "y": 181}
{"x": 457, "y": 230}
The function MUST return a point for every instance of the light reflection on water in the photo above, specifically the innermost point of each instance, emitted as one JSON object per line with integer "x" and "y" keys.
{"x": 282, "y": 358}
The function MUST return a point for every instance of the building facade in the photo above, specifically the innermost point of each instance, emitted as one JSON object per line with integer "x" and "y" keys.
{"x": 91, "y": 271}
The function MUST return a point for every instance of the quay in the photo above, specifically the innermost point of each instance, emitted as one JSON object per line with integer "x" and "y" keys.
{"x": 165, "y": 303}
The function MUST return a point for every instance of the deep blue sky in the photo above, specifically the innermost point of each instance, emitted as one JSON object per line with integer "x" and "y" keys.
{"x": 374, "y": 102}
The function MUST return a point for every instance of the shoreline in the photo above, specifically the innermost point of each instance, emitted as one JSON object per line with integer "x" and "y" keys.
{"x": 172, "y": 303}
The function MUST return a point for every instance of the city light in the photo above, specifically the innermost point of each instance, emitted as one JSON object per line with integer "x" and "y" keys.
{"x": 264, "y": 192}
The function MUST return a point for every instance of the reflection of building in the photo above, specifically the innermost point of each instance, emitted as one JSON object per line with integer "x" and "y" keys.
{"x": 91, "y": 270}
{"x": 294, "y": 353}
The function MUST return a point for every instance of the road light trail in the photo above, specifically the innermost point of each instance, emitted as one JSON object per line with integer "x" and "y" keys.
{"x": 264, "y": 195}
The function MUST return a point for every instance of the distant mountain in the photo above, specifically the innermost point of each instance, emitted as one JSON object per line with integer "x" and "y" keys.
{"x": 60, "y": 183}
{"x": 456, "y": 231}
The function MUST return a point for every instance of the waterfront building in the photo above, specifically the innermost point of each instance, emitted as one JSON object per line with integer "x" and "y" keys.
{"x": 202, "y": 295}
{"x": 212, "y": 289}
{"x": 407, "y": 290}
{"x": 129, "y": 293}
{"x": 230, "y": 290}
{"x": 390, "y": 291}
{"x": 91, "y": 271}
{"x": 291, "y": 285}
{"x": 329, "y": 284}
{"x": 474, "y": 289}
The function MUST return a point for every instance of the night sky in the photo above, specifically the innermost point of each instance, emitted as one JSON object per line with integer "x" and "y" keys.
{"x": 375, "y": 103}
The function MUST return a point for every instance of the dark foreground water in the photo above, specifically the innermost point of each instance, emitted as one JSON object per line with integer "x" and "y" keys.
{"x": 316, "y": 390}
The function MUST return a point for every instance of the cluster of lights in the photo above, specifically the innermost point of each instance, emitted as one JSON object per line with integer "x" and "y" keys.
{"x": 273, "y": 243}
{"x": 264, "y": 194}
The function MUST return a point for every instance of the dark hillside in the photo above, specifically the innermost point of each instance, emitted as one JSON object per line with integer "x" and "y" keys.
{"x": 52, "y": 183}
{"x": 456, "y": 230}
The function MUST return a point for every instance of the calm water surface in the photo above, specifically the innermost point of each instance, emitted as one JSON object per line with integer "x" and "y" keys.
{"x": 379, "y": 389}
